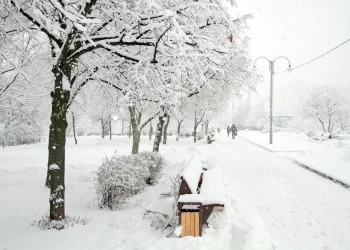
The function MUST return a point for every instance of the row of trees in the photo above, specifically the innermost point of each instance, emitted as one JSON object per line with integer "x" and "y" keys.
{"x": 154, "y": 59}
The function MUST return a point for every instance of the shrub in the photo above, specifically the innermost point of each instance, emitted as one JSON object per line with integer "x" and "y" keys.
{"x": 121, "y": 177}
{"x": 188, "y": 133}
{"x": 200, "y": 135}
{"x": 155, "y": 164}
{"x": 22, "y": 132}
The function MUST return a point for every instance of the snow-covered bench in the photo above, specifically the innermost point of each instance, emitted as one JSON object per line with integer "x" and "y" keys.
{"x": 322, "y": 136}
{"x": 198, "y": 196}
{"x": 210, "y": 137}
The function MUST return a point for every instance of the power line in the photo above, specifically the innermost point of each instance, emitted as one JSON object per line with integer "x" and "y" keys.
{"x": 329, "y": 51}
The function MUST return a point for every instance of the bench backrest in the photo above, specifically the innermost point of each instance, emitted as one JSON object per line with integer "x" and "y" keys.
{"x": 190, "y": 176}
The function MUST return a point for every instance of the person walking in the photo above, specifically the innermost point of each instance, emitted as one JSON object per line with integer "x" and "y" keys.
{"x": 234, "y": 131}
{"x": 228, "y": 131}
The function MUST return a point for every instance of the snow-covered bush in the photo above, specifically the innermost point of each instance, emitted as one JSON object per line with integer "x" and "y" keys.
{"x": 23, "y": 132}
{"x": 167, "y": 221}
{"x": 155, "y": 164}
{"x": 200, "y": 135}
{"x": 311, "y": 133}
{"x": 186, "y": 133}
{"x": 121, "y": 177}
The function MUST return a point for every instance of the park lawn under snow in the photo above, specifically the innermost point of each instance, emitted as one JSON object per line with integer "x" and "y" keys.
{"x": 271, "y": 203}
{"x": 24, "y": 200}
{"x": 331, "y": 157}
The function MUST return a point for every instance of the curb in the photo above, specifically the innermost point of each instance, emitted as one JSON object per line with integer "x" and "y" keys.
{"x": 343, "y": 184}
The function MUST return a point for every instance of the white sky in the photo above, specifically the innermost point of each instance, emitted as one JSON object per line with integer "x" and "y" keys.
{"x": 300, "y": 30}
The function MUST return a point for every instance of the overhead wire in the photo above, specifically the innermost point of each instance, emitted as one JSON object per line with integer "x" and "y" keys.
{"x": 316, "y": 58}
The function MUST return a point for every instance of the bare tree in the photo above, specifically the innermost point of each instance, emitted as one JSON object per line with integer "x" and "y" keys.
{"x": 326, "y": 104}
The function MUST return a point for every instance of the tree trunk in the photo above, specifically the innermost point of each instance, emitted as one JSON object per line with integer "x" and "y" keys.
{"x": 135, "y": 141}
{"x": 332, "y": 127}
{"x": 150, "y": 132}
{"x": 166, "y": 130}
{"x": 135, "y": 132}
{"x": 103, "y": 128}
{"x": 57, "y": 140}
{"x": 206, "y": 127}
{"x": 159, "y": 132}
{"x": 329, "y": 124}
{"x": 178, "y": 129}
{"x": 324, "y": 130}
{"x": 195, "y": 131}
{"x": 73, "y": 121}
{"x": 130, "y": 129}
{"x": 110, "y": 128}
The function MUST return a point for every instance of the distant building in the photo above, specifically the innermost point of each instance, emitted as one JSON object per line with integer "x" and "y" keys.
{"x": 119, "y": 125}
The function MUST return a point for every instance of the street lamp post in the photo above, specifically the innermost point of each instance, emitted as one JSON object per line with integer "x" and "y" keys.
{"x": 272, "y": 72}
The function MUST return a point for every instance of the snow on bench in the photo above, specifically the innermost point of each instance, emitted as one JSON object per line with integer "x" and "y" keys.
{"x": 190, "y": 176}
{"x": 322, "y": 136}
{"x": 201, "y": 198}
{"x": 210, "y": 137}
{"x": 212, "y": 186}
{"x": 193, "y": 206}
{"x": 211, "y": 191}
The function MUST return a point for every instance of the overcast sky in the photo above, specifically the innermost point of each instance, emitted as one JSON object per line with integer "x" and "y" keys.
{"x": 300, "y": 30}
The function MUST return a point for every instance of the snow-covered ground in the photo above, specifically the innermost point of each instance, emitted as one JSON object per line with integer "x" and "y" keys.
{"x": 272, "y": 204}
{"x": 331, "y": 157}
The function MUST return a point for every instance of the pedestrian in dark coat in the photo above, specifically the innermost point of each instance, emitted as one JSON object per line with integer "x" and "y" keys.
{"x": 234, "y": 131}
{"x": 228, "y": 131}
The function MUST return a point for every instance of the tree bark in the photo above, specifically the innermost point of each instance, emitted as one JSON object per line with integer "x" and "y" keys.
{"x": 150, "y": 132}
{"x": 178, "y": 129}
{"x": 130, "y": 129}
{"x": 57, "y": 140}
{"x": 165, "y": 138}
{"x": 159, "y": 132}
{"x": 73, "y": 121}
{"x": 195, "y": 131}
{"x": 110, "y": 128}
{"x": 206, "y": 127}
{"x": 103, "y": 128}
{"x": 329, "y": 123}
{"x": 135, "y": 131}
{"x": 324, "y": 129}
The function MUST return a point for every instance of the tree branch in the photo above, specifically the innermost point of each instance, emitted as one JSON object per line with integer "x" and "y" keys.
{"x": 156, "y": 46}
{"x": 37, "y": 24}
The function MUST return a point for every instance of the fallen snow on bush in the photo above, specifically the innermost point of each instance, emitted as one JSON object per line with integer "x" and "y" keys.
{"x": 123, "y": 176}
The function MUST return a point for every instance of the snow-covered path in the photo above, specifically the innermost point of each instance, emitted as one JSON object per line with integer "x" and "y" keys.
{"x": 273, "y": 204}
{"x": 299, "y": 209}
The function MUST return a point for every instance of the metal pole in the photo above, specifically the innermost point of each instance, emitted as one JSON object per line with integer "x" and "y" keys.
{"x": 272, "y": 72}
{"x": 271, "y": 99}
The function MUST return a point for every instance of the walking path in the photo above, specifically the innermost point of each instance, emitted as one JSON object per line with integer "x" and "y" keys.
{"x": 299, "y": 209}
